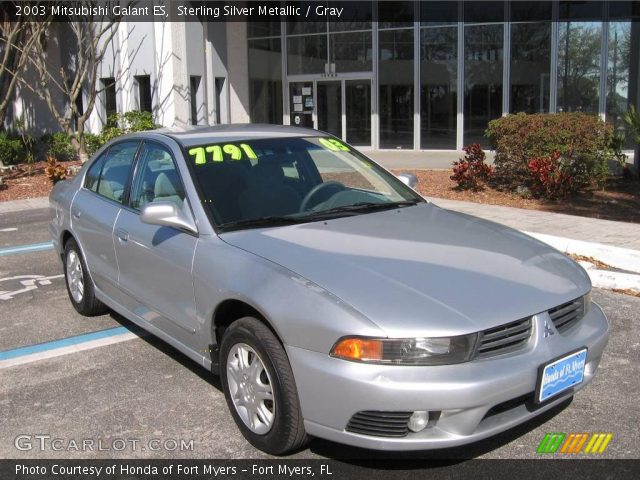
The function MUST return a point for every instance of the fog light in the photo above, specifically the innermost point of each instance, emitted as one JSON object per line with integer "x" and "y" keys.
{"x": 418, "y": 421}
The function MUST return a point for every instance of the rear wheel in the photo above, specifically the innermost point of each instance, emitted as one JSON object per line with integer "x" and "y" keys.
{"x": 79, "y": 284}
{"x": 259, "y": 387}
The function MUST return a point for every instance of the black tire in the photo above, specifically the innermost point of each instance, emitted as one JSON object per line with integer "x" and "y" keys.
{"x": 88, "y": 305}
{"x": 287, "y": 431}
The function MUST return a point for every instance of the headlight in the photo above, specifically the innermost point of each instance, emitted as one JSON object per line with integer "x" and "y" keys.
{"x": 406, "y": 351}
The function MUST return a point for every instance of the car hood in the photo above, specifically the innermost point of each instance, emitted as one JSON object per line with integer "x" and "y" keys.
{"x": 423, "y": 270}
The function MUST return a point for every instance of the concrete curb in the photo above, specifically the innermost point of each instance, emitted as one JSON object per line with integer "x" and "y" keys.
{"x": 611, "y": 280}
{"x": 622, "y": 258}
{"x": 25, "y": 204}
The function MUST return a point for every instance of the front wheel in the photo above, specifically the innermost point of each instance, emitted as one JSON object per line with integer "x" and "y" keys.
{"x": 259, "y": 387}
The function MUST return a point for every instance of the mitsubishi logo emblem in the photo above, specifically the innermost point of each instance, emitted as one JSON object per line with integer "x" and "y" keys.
{"x": 548, "y": 329}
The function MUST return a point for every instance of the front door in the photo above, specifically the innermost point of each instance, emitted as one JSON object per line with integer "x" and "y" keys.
{"x": 339, "y": 107}
{"x": 155, "y": 261}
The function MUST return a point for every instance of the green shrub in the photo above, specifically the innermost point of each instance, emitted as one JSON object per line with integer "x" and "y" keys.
{"x": 93, "y": 142}
{"x": 58, "y": 145}
{"x": 11, "y": 149}
{"x": 123, "y": 123}
{"x": 581, "y": 141}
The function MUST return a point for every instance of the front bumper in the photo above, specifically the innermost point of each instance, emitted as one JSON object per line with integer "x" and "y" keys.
{"x": 332, "y": 390}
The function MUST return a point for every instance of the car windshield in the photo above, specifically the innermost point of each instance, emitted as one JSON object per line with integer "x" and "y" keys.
{"x": 252, "y": 183}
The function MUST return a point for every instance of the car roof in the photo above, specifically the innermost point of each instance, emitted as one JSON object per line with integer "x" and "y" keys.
{"x": 189, "y": 136}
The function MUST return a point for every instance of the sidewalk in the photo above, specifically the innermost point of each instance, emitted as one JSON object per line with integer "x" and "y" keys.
{"x": 26, "y": 204}
{"x": 616, "y": 234}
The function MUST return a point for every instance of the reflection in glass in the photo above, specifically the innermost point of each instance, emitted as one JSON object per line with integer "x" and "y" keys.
{"x": 618, "y": 69}
{"x": 330, "y": 107}
{"x": 358, "y": 112}
{"x": 265, "y": 81}
{"x": 351, "y": 52}
{"x": 530, "y": 67}
{"x": 579, "y": 66}
{"x": 438, "y": 92}
{"x": 307, "y": 54}
{"x": 396, "y": 88}
{"x": 483, "y": 79}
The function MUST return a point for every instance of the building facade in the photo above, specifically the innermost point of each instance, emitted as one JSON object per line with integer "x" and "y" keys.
{"x": 408, "y": 75}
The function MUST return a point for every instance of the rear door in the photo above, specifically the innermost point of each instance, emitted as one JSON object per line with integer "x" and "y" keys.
{"x": 156, "y": 261}
{"x": 94, "y": 211}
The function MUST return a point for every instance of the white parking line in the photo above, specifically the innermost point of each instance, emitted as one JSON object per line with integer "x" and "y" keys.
{"x": 12, "y": 229}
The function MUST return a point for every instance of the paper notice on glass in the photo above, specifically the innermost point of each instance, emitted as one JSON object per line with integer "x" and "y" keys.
{"x": 297, "y": 99}
{"x": 306, "y": 90}
{"x": 297, "y": 107}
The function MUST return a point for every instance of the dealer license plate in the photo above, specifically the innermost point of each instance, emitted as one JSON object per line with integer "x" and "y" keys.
{"x": 560, "y": 375}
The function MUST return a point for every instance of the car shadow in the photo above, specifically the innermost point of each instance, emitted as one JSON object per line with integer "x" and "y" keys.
{"x": 362, "y": 456}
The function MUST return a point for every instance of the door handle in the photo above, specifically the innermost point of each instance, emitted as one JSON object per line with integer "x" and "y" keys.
{"x": 76, "y": 214}
{"x": 122, "y": 235}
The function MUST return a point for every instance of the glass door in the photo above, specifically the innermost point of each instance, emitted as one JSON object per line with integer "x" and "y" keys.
{"x": 339, "y": 107}
{"x": 301, "y": 104}
{"x": 329, "y": 110}
{"x": 358, "y": 112}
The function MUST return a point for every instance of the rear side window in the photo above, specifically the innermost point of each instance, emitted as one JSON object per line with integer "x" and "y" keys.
{"x": 109, "y": 175}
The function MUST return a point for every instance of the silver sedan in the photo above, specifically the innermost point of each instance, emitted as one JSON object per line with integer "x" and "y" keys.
{"x": 331, "y": 298}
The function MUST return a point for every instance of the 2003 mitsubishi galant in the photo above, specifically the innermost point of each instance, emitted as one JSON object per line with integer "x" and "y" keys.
{"x": 332, "y": 299}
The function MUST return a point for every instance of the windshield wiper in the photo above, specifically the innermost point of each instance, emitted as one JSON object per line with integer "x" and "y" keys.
{"x": 271, "y": 221}
{"x": 361, "y": 207}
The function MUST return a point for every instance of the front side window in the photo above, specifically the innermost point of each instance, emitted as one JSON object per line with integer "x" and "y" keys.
{"x": 156, "y": 178}
{"x": 109, "y": 174}
{"x": 291, "y": 180}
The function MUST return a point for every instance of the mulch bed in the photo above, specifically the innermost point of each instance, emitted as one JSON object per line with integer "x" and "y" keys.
{"x": 620, "y": 199}
{"x": 27, "y": 181}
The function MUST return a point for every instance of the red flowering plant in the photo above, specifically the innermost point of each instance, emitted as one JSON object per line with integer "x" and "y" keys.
{"x": 471, "y": 172}
{"x": 549, "y": 179}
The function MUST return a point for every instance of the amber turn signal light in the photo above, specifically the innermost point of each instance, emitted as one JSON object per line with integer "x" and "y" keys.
{"x": 361, "y": 349}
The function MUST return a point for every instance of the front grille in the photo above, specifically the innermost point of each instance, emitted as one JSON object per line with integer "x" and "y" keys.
{"x": 380, "y": 424}
{"x": 505, "y": 338}
{"x": 567, "y": 315}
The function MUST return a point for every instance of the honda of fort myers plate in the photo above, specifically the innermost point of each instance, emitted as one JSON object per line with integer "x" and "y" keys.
{"x": 332, "y": 299}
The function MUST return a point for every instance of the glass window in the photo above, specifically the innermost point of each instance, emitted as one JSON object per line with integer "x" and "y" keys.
{"x": 351, "y": 52}
{"x": 195, "y": 99}
{"x": 115, "y": 171}
{"x": 395, "y": 14}
{"x": 530, "y": 67}
{"x": 621, "y": 51}
{"x": 144, "y": 93}
{"x": 252, "y": 184}
{"x": 355, "y": 16}
{"x": 93, "y": 175}
{"x": 438, "y": 87}
{"x": 109, "y": 90}
{"x": 265, "y": 80}
{"x": 482, "y": 12}
{"x": 263, "y": 29}
{"x": 306, "y": 54}
{"x": 157, "y": 178}
{"x": 579, "y": 46}
{"x": 483, "y": 51}
{"x": 530, "y": 11}
{"x": 438, "y": 13}
{"x": 396, "y": 88}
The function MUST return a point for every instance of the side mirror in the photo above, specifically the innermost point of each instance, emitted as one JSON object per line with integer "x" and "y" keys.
{"x": 409, "y": 179}
{"x": 168, "y": 214}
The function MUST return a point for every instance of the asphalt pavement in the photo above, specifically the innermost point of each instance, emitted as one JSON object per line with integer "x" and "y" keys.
{"x": 140, "y": 398}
